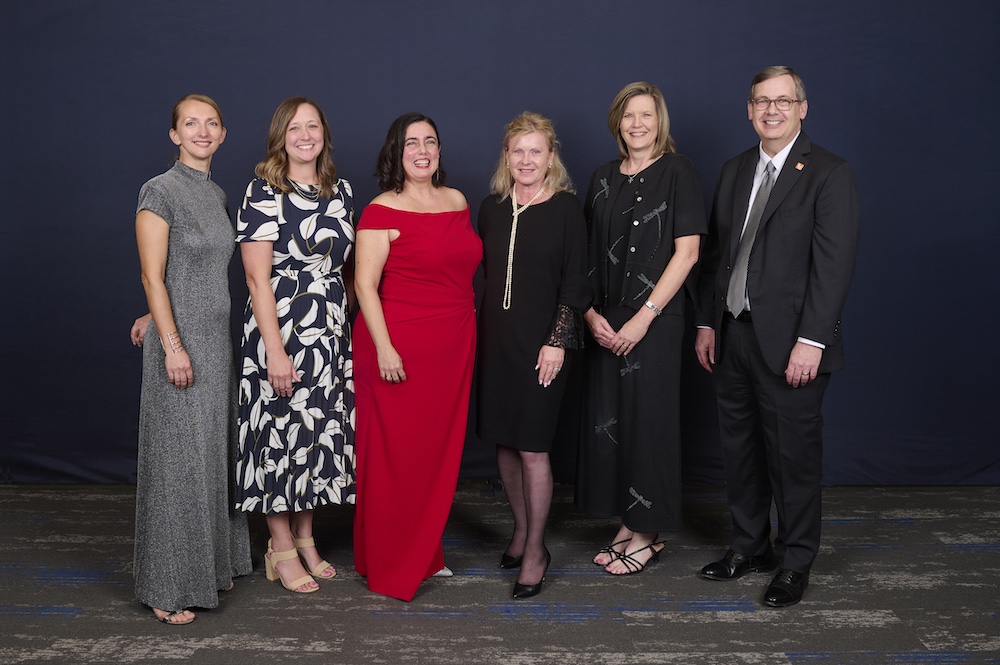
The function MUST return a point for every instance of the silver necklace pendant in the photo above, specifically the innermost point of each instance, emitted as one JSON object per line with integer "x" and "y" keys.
{"x": 311, "y": 194}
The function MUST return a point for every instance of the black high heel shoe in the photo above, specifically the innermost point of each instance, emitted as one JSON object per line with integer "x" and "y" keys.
{"x": 529, "y": 590}
{"x": 508, "y": 562}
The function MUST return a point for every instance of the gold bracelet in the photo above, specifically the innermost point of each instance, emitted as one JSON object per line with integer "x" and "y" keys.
{"x": 175, "y": 342}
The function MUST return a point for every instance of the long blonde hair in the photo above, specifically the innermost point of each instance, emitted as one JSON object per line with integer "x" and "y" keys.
{"x": 556, "y": 178}
{"x": 274, "y": 166}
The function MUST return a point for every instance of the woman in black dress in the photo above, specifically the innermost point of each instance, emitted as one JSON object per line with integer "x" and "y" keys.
{"x": 533, "y": 256}
{"x": 645, "y": 217}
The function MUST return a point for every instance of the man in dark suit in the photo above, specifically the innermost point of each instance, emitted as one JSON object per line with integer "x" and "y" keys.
{"x": 776, "y": 268}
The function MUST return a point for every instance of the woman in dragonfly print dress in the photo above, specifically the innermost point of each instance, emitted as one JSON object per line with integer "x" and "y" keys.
{"x": 296, "y": 229}
{"x": 645, "y": 218}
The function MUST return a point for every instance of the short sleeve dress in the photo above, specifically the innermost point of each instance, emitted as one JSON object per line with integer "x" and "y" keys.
{"x": 549, "y": 289}
{"x": 629, "y": 461}
{"x": 297, "y": 453}
{"x": 189, "y": 543}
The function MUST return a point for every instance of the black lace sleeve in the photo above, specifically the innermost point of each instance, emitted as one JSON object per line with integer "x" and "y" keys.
{"x": 567, "y": 329}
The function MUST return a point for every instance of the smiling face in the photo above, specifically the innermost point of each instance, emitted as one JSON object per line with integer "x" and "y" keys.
{"x": 639, "y": 124}
{"x": 198, "y": 133}
{"x": 529, "y": 159}
{"x": 775, "y": 128}
{"x": 304, "y": 135}
{"x": 421, "y": 152}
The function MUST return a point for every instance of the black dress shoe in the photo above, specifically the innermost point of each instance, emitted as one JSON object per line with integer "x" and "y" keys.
{"x": 529, "y": 590}
{"x": 734, "y": 565}
{"x": 507, "y": 561}
{"x": 786, "y": 588}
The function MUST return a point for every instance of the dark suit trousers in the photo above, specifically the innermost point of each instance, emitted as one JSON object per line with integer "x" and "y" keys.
{"x": 772, "y": 444}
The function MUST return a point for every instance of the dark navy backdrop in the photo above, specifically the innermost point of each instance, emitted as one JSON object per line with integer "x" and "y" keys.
{"x": 905, "y": 90}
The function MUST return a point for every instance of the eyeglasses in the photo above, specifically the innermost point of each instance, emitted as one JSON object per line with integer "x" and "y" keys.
{"x": 761, "y": 103}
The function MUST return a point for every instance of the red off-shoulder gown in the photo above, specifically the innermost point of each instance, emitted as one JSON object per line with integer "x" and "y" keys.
{"x": 410, "y": 434}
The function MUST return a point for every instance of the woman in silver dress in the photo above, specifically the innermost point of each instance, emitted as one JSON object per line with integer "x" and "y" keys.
{"x": 189, "y": 542}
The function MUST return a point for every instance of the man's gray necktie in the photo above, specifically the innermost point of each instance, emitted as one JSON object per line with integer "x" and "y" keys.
{"x": 736, "y": 295}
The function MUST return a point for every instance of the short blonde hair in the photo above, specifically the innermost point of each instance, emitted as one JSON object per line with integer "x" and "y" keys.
{"x": 664, "y": 142}
{"x": 556, "y": 178}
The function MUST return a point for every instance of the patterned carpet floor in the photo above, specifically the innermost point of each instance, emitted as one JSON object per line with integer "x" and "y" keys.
{"x": 905, "y": 576}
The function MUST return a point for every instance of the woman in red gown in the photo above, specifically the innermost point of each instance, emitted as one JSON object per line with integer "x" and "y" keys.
{"x": 414, "y": 351}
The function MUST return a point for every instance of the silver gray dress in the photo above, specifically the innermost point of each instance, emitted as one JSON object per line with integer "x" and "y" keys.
{"x": 189, "y": 543}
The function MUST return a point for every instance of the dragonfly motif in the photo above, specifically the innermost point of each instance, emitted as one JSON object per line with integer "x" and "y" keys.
{"x": 614, "y": 259}
{"x": 605, "y": 190}
{"x": 628, "y": 368}
{"x": 646, "y": 503}
{"x": 655, "y": 214}
{"x": 605, "y": 428}
{"x": 650, "y": 285}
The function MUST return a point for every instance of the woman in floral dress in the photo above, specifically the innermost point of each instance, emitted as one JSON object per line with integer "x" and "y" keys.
{"x": 296, "y": 425}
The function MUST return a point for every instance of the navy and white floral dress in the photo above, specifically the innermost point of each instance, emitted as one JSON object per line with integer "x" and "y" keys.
{"x": 297, "y": 453}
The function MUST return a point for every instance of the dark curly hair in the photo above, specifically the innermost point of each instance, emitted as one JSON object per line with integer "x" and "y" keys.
{"x": 389, "y": 167}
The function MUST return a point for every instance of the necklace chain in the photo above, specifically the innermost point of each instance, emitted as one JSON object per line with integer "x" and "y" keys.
{"x": 637, "y": 171}
{"x": 513, "y": 236}
{"x": 311, "y": 194}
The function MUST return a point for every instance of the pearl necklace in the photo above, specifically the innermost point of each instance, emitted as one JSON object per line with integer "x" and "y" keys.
{"x": 513, "y": 236}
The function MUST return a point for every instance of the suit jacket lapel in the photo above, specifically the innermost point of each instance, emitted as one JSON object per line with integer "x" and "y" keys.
{"x": 790, "y": 174}
{"x": 741, "y": 202}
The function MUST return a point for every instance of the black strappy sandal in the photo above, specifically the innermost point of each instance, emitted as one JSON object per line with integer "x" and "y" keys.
{"x": 611, "y": 551}
{"x": 634, "y": 567}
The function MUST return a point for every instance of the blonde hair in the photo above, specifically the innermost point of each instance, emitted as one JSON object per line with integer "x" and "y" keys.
{"x": 664, "y": 142}
{"x": 274, "y": 167}
{"x": 556, "y": 178}
{"x": 194, "y": 97}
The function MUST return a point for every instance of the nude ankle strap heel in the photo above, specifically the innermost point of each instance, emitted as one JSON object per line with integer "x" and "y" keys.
{"x": 271, "y": 558}
{"x": 322, "y": 566}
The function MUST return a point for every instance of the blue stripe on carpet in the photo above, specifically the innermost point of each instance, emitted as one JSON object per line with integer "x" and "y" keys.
{"x": 40, "y": 611}
{"x": 891, "y": 657}
{"x": 61, "y": 575}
